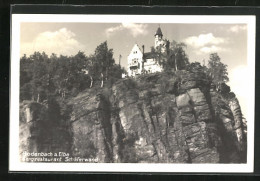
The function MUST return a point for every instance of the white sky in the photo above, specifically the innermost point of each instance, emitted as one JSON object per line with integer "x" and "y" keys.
{"x": 228, "y": 40}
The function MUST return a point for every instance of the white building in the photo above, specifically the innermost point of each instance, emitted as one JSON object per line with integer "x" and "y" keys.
{"x": 140, "y": 62}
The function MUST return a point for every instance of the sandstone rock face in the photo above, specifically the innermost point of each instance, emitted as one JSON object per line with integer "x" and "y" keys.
{"x": 157, "y": 118}
{"x": 91, "y": 128}
{"x": 40, "y": 131}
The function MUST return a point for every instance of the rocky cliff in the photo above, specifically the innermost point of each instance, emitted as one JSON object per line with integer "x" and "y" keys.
{"x": 175, "y": 117}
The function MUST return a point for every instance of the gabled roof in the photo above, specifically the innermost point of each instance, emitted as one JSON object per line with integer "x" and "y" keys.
{"x": 135, "y": 47}
{"x": 158, "y": 32}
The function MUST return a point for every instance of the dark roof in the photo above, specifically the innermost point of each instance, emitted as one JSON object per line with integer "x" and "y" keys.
{"x": 149, "y": 55}
{"x": 158, "y": 32}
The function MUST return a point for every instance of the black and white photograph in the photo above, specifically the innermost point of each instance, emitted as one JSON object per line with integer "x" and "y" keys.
{"x": 132, "y": 93}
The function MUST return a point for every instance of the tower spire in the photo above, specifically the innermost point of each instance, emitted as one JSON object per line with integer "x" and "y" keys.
{"x": 158, "y": 32}
{"x": 159, "y": 42}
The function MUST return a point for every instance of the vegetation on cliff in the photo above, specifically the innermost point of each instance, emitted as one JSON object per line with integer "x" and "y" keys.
{"x": 42, "y": 76}
{"x": 80, "y": 104}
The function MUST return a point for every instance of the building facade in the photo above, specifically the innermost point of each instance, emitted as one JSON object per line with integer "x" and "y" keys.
{"x": 140, "y": 62}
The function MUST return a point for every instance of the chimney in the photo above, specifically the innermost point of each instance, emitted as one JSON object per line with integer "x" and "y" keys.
{"x": 143, "y": 59}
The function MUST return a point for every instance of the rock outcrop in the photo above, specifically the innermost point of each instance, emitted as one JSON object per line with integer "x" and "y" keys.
{"x": 176, "y": 117}
{"x": 42, "y": 129}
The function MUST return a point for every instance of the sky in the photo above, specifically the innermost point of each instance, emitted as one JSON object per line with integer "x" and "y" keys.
{"x": 228, "y": 40}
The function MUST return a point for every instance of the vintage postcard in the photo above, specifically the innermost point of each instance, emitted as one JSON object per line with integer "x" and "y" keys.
{"x": 132, "y": 93}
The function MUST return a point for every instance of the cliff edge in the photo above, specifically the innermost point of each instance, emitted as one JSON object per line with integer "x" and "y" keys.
{"x": 174, "y": 117}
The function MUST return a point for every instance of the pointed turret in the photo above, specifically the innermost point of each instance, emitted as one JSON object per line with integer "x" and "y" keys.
{"x": 158, "y": 32}
{"x": 158, "y": 38}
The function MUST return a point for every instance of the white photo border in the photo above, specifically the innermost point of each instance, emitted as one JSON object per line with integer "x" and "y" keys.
{"x": 14, "y": 161}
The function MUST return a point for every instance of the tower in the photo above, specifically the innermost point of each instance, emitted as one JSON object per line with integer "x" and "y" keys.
{"x": 158, "y": 37}
{"x": 158, "y": 40}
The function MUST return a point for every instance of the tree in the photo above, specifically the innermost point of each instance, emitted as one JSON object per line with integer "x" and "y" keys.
{"x": 40, "y": 76}
{"x": 152, "y": 49}
{"x": 196, "y": 67}
{"x": 217, "y": 70}
{"x": 78, "y": 79}
{"x": 25, "y": 78}
{"x": 60, "y": 72}
{"x": 105, "y": 57}
{"x": 92, "y": 69}
{"x": 173, "y": 58}
{"x": 176, "y": 56}
{"x": 116, "y": 71}
{"x": 101, "y": 63}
